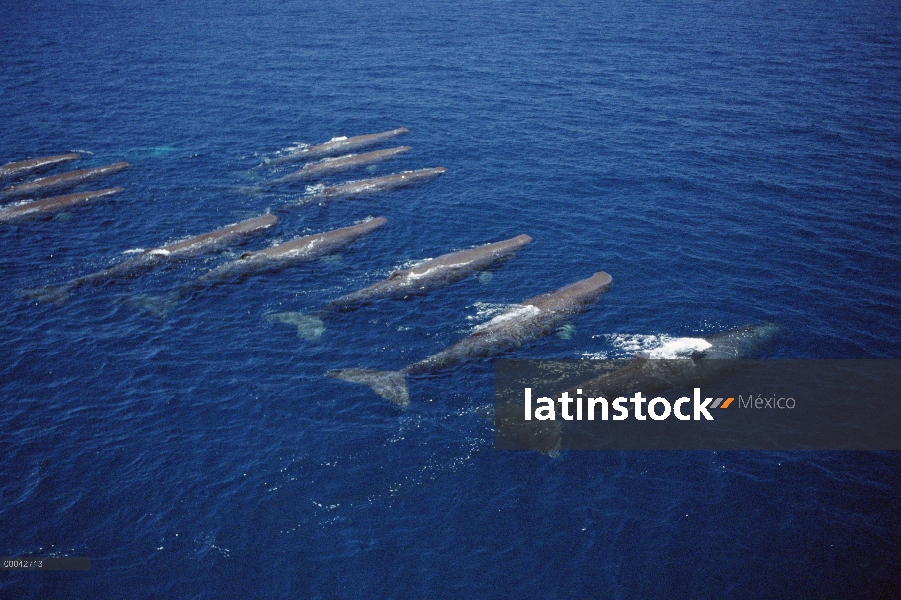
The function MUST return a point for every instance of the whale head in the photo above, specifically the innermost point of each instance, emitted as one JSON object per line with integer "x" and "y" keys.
{"x": 580, "y": 293}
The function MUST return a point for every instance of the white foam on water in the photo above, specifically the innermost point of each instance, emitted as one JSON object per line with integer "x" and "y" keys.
{"x": 412, "y": 263}
{"x": 297, "y": 147}
{"x": 429, "y": 272}
{"x": 680, "y": 348}
{"x": 489, "y": 310}
{"x": 328, "y": 160}
{"x": 134, "y": 251}
{"x": 519, "y": 312}
{"x": 656, "y": 346}
{"x": 291, "y": 150}
{"x": 339, "y": 138}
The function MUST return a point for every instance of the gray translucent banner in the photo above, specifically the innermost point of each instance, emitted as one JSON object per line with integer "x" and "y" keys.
{"x": 698, "y": 404}
{"x": 31, "y": 563}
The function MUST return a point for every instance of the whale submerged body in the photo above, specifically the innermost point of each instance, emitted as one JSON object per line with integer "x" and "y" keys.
{"x": 148, "y": 259}
{"x": 532, "y": 318}
{"x": 63, "y": 181}
{"x": 33, "y": 165}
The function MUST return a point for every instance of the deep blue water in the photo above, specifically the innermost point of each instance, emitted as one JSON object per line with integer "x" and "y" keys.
{"x": 726, "y": 162}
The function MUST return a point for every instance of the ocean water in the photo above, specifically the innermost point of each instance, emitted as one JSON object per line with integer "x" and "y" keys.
{"x": 726, "y": 162}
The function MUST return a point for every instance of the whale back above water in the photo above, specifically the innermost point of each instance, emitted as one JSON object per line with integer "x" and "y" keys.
{"x": 381, "y": 184}
{"x": 532, "y": 318}
{"x": 430, "y": 274}
{"x": 339, "y": 145}
{"x": 50, "y": 205}
{"x": 574, "y": 295}
{"x": 222, "y": 236}
{"x": 339, "y": 164}
{"x": 33, "y": 165}
{"x": 147, "y": 259}
{"x": 296, "y": 251}
{"x": 62, "y": 181}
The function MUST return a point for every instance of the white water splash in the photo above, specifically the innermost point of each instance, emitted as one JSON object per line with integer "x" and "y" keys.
{"x": 656, "y": 346}
{"x": 489, "y": 310}
{"x": 517, "y": 312}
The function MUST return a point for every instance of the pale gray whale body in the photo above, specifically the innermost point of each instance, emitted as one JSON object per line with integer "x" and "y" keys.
{"x": 63, "y": 181}
{"x": 534, "y": 317}
{"x": 339, "y": 145}
{"x": 297, "y": 251}
{"x": 54, "y": 204}
{"x": 365, "y": 187}
{"x": 420, "y": 279}
{"x": 24, "y": 167}
{"x": 339, "y": 164}
{"x": 148, "y": 259}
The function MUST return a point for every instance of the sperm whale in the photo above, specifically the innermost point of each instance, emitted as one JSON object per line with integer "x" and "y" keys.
{"x": 49, "y": 205}
{"x": 374, "y": 185}
{"x": 338, "y": 164}
{"x": 338, "y": 145}
{"x": 150, "y": 258}
{"x": 60, "y": 182}
{"x": 424, "y": 277}
{"x": 532, "y": 318}
{"x": 297, "y": 251}
{"x": 32, "y": 165}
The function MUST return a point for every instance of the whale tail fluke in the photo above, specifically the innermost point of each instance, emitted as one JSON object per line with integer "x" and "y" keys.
{"x": 387, "y": 384}
{"x": 51, "y": 294}
{"x": 156, "y": 306}
{"x": 309, "y": 327}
